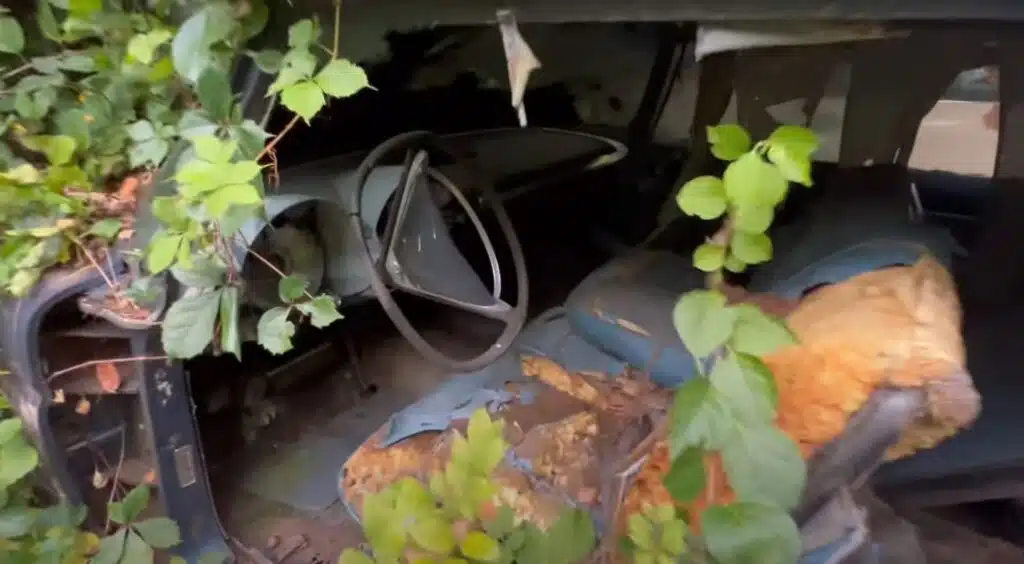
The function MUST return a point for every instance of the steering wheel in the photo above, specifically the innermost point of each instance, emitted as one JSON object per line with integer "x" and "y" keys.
{"x": 418, "y": 255}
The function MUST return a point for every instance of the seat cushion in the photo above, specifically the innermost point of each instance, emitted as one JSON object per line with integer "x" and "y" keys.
{"x": 625, "y": 310}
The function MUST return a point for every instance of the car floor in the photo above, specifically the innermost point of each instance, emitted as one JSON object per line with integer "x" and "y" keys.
{"x": 282, "y": 484}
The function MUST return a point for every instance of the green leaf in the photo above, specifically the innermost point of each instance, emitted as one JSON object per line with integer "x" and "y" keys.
{"x": 751, "y": 248}
{"x": 699, "y": 418}
{"x": 214, "y": 150}
{"x": 77, "y": 63}
{"x": 222, "y": 199}
{"x": 214, "y": 93}
{"x": 268, "y": 60}
{"x": 163, "y": 247}
{"x": 749, "y": 396}
{"x": 202, "y": 272}
{"x": 195, "y": 124}
{"x": 17, "y": 521}
{"x": 480, "y": 547}
{"x": 12, "y": 38}
{"x": 111, "y": 548}
{"x": 141, "y": 130}
{"x": 765, "y": 465}
{"x": 291, "y": 288}
{"x": 304, "y": 98}
{"x": 703, "y": 197}
{"x": 709, "y": 257}
{"x": 321, "y": 311}
{"x": 148, "y": 153}
{"x": 230, "y": 336}
{"x": 159, "y": 532}
{"x": 733, "y": 264}
{"x": 191, "y": 48}
{"x": 274, "y": 332}
{"x": 188, "y": 324}
{"x": 353, "y": 556}
{"x": 17, "y": 460}
{"x": 796, "y": 140}
{"x": 58, "y": 148}
{"x": 105, "y": 228}
{"x": 793, "y": 167}
{"x": 685, "y": 479}
{"x": 758, "y": 333}
{"x": 301, "y": 34}
{"x": 47, "y": 21}
{"x": 10, "y": 429}
{"x": 640, "y": 531}
{"x": 728, "y": 141}
{"x": 571, "y": 537}
{"x": 751, "y": 182}
{"x": 703, "y": 321}
{"x": 433, "y": 533}
{"x": 759, "y": 375}
{"x": 84, "y": 8}
{"x": 143, "y": 46}
{"x": 750, "y": 533}
{"x": 136, "y": 549}
{"x": 132, "y": 505}
{"x": 341, "y": 78}
{"x": 213, "y": 558}
{"x": 673, "y": 538}
{"x": 753, "y": 219}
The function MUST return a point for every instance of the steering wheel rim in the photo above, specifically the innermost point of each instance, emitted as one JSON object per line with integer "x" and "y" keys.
{"x": 515, "y": 319}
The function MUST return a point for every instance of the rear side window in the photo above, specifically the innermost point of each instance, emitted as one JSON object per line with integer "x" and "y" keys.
{"x": 961, "y": 133}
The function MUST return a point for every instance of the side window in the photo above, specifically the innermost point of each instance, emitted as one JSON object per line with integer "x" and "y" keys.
{"x": 961, "y": 133}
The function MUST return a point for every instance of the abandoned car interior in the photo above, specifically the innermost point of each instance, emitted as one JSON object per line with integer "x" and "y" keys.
{"x": 519, "y": 248}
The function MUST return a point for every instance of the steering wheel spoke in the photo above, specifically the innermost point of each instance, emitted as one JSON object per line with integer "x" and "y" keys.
{"x": 420, "y": 257}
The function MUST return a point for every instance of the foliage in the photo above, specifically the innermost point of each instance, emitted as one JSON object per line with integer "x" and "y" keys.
{"x": 730, "y": 408}
{"x": 32, "y": 532}
{"x": 97, "y": 96}
{"x": 458, "y": 518}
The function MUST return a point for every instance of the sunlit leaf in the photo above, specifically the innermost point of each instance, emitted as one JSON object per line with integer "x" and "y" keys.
{"x": 703, "y": 197}
{"x": 480, "y": 547}
{"x": 747, "y": 393}
{"x": 58, "y": 148}
{"x": 709, "y": 257}
{"x": 752, "y": 182}
{"x": 753, "y": 219}
{"x": 188, "y": 324}
{"x": 728, "y": 141}
{"x": 703, "y": 321}
{"x": 751, "y": 248}
{"x": 191, "y": 47}
{"x": 220, "y": 200}
{"x": 142, "y": 47}
{"x": 303, "y": 98}
{"x": 341, "y": 78}
{"x": 673, "y": 537}
{"x": 158, "y": 532}
{"x": 202, "y": 272}
{"x": 195, "y": 124}
{"x": 750, "y": 533}
{"x": 291, "y": 288}
{"x": 268, "y": 60}
{"x": 274, "y": 331}
{"x": 640, "y": 531}
{"x": 136, "y": 549}
{"x": 433, "y": 533}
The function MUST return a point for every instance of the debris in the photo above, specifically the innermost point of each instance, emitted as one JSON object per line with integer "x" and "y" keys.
{"x": 108, "y": 377}
{"x": 83, "y": 406}
{"x": 520, "y": 59}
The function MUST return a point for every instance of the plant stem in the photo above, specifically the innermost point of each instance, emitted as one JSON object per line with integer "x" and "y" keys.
{"x": 337, "y": 28}
{"x": 271, "y": 266}
{"x": 277, "y": 138}
{"x": 89, "y": 363}
{"x": 88, "y": 255}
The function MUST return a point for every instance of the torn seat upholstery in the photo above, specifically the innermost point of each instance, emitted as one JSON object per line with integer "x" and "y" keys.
{"x": 878, "y": 373}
